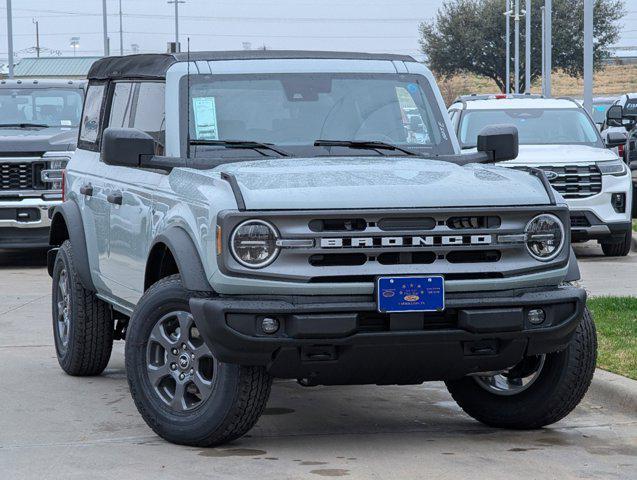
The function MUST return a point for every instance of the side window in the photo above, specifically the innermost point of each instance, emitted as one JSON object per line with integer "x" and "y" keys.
{"x": 148, "y": 114}
{"x": 91, "y": 116}
{"x": 121, "y": 105}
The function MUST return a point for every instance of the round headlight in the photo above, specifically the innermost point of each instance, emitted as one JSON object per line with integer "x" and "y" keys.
{"x": 544, "y": 237}
{"x": 253, "y": 243}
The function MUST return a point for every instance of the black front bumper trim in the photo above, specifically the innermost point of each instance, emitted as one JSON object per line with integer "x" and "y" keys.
{"x": 346, "y": 341}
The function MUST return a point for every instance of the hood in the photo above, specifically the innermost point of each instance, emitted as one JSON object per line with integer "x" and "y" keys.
{"x": 554, "y": 155}
{"x": 37, "y": 139}
{"x": 379, "y": 182}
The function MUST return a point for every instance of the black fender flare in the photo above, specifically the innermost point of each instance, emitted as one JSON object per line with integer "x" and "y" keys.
{"x": 573, "y": 273}
{"x": 183, "y": 250}
{"x": 66, "y": 222}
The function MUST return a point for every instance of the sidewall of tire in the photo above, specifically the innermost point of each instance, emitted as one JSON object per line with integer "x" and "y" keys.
{"x": 179, "y": 427}
{"x": 62, "y": 262}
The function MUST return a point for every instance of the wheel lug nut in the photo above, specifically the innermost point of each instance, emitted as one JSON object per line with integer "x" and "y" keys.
{"x": 175, "y": 351}
{"x": 181, "y": 376}
{"x": 192, "y": 355}
{"x": 183, "y": 345}
{"x": 192, "y": 371}
{"x": 173, "y": 366}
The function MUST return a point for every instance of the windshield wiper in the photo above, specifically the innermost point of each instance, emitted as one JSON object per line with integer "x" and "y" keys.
{"x": 364, "y": 144}
{"x": 23, "y": 125}
{"x": 242, "y": 144}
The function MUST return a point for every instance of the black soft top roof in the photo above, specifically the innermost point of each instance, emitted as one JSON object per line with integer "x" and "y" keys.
{"x": 155, "y": 65}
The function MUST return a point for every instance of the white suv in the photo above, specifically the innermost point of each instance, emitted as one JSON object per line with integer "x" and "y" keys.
{"x": 559, "y": 137}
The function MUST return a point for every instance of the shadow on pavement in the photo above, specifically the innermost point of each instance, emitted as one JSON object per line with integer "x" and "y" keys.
{"x": 31, "y": 258}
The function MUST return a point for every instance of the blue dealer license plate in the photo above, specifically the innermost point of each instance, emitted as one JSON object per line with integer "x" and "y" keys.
{"x": 411, "y": 294}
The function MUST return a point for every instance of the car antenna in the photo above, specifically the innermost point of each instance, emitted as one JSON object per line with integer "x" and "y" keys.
{"x": 188, "y": 99}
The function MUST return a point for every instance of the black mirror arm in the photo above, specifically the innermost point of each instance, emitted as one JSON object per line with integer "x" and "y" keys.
{"x": 467, "y": 158}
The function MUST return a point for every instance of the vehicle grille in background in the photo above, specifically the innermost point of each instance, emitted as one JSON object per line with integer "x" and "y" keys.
{"x": 579, "y": 220}
{"x": 16, "y": 176}
{"x": 576, "y": 181}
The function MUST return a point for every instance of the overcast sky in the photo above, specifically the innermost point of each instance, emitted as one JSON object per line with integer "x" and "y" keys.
{"x": 367, "y": 25}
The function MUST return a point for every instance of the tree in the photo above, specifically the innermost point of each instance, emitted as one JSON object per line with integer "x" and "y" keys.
{"x": 469, "y": 36}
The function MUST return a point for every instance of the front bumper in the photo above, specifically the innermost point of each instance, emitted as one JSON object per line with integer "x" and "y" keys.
{"x": 344, "y": 340}
{"x": 25, "y": 223}
{"x": 585, "y": 225}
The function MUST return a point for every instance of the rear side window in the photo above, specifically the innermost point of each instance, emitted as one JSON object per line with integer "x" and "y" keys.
{"x": 121, "y": 105}
{"x": 91, "y": 117}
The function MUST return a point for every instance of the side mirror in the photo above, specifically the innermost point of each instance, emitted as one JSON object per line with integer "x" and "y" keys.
{"x": 615, "y": 139}
{"x": 614, "y": 115}
{"x": 126, "y": 147}
{"x": 499, "y": 142}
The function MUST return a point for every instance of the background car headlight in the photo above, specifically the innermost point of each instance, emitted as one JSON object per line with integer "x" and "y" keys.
{"x": 615, "y": 167}
{"x": 544, "y": 237}
{"x": 253, "y": 243}
{"x": 52, "y": 176}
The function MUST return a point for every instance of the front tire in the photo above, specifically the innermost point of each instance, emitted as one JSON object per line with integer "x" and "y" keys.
{"x": 181, "y": 390}
{"x": 619, "y": 249}
{"x": 561, "y": 380}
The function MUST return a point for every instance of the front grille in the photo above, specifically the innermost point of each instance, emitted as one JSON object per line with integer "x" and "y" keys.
{"x": 16, "y": 176}
{"x": 576, "y": 181}
{"x": 475, "y": 243}
{"x": 579, "y": 220}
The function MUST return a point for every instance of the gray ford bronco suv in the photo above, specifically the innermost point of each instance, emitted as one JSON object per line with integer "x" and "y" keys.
{"x": 243, "y": 216}
{"x": 38, "y": 130}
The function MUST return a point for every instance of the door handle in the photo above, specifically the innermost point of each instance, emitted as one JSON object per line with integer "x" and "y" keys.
{"x": 87, "y": 190}
{"x": 114, "y": 198}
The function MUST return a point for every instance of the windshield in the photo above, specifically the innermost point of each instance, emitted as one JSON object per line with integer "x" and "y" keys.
{"x": 295, "y": 110}
{"x": 599, "y": 111}
{"x": 54, "y": 107}
{"x": 535, "y": 126}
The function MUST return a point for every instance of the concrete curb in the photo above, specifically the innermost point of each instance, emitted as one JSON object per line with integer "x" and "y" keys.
{"x": 613, "y": 391}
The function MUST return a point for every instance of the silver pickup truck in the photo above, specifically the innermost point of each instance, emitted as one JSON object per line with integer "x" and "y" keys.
{"x": 243, "y": 216}
{"x": 39, "y": 120}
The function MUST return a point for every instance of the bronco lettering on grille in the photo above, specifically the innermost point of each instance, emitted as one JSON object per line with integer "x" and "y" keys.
{"x": 406, "y": 241}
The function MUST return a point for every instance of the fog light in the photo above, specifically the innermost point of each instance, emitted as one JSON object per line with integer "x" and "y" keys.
{"x": 536, "y": 316}
{"x": 269, "y": 325}
{"x": 618, "y": 200}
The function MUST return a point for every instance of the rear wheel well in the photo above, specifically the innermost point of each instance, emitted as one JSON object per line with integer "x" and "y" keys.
{"x": 161, "y": 263}
{"x": 59, "y": 231}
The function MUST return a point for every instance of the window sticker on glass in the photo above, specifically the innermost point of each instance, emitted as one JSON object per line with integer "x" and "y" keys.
{"x": 205, "y": 112}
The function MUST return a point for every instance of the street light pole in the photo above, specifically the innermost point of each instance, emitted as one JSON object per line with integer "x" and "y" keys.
{"x": 10, "y": 38}
{"x": 543, "y": 9}
{"x": 105, "y": 27}
{"x": 588, "y": 56}
{"x": 548, "y": 13}
{"x": 507, "y": 14}
{"x": 517, "y": 46}
{"x": 527, "y": 49}
{"x": 37, "y": 37}
{"x": 121, "y": 31}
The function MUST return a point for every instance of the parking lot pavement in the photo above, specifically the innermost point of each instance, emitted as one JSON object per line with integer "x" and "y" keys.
{"x": 53, "y": 426}
{"x": 606, "y": 276}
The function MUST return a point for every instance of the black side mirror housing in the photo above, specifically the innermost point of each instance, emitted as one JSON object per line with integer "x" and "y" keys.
{"x": 615, "y": 139}
{"x": 126, "y": 147}
{"x": 499, "y": 142}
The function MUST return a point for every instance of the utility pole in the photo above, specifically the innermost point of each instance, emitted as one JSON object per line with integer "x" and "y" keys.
{"x": 10, "y": 38}
{"x": 37, "y": 37}
{"x": 121, "y": 31}
{"x": 527, "y": 49}
{"x": 548, "y": 24}
{"x": 105, "y": 27}
{"x": 507, "y": 15}
{"x": 588, "y": 56}
{"x": 517, "y": 46}
{"x": 176, "y": 2}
